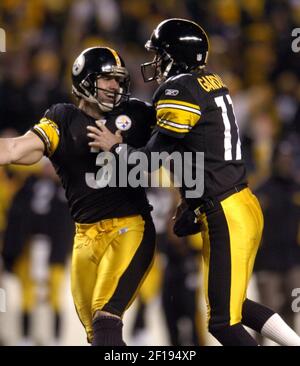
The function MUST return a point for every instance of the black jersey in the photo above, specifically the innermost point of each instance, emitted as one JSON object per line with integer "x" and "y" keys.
{"x": 197, "y": 110}
{"x": 64, "y": 133}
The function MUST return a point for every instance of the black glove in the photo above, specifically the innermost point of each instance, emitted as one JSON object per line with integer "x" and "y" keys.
{"x": 186, "y": 223}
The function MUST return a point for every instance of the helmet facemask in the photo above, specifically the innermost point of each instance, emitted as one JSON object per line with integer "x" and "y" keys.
{"x": 159, "y": 68}
{"x": 91, "y": 90}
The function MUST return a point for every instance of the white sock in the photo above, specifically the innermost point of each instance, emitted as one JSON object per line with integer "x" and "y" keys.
{"x": 276, "y": 329}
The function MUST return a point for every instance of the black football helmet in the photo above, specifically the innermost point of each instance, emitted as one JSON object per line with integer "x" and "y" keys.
{"x": 180, "y": 45}
{"x": 93, "y": 63}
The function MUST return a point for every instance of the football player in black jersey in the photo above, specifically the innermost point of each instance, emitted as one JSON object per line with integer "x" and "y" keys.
{"x": 115, "y": 236}
{"x": 195, "y": 114}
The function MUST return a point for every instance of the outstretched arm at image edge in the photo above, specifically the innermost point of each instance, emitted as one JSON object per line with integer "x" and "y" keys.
{"x": 24, "y": 150}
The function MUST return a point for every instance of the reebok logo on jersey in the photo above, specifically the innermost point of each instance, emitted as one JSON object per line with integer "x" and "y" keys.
{"x": 172, "y": 92}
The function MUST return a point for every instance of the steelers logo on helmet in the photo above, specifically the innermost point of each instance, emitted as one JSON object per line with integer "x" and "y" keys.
{"x": 123, "y": 122}
{"x": 78, "y": 65}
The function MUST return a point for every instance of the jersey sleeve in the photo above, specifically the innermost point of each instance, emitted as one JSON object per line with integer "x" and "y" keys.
{"x": 177, "y": 108}
{"x": 48, "y": 129}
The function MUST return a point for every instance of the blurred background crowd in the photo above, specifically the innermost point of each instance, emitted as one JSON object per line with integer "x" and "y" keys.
{"x": 250, "y": 48}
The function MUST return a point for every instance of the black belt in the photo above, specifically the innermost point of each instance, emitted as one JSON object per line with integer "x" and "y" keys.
{"x": 213, "y": 202}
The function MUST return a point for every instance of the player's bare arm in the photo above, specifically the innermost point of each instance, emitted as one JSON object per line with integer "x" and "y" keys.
{"x": 24, "y": 150}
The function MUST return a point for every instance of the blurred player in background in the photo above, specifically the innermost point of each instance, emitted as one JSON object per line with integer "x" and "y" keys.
{"x": 179, "y": 261}
{"x": 115, "y": 236}
{"x": 37, "y": 241}
{"x": 277, "y": 264}
{"x": 181, "y": 288}
{"x": 11, "y": 180}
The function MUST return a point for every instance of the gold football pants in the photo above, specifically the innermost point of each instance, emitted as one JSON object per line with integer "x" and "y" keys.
{"x": 110, "y": 260}
{"x": 230, "y": 242}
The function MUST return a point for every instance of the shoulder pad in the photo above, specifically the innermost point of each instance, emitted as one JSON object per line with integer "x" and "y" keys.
{"x": 174, "y": 85}
{"x": 60, "y": 112}
{"x": 61, "y": 108}
{"x": 180, "y": 77}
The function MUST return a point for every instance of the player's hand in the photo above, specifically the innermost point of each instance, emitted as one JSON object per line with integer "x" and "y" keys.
{"x": 186, "y": 222}
{"x": 102, "y": 138}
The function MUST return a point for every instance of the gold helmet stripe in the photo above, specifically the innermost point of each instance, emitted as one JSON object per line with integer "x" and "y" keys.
{"x": 116, "y": 56}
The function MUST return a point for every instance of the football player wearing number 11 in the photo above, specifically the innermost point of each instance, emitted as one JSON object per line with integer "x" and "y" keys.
{"x": 195, "y": 114}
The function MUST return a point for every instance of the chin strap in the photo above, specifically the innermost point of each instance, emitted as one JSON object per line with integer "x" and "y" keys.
{"x": 104, "y": 107}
